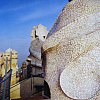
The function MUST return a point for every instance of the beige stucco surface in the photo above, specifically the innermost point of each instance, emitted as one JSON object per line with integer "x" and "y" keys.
{"x": 15, "y": 91}
{"x": 1, "y": 58}
{"x": 75, "y": 47}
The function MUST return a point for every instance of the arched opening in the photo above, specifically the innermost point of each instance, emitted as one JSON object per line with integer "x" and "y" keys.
{"x": 44, "y": 37}
{"x": 47, "y": 93}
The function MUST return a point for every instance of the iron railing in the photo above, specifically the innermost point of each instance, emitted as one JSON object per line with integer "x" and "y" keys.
{"x": 5, "y": 86}
{"x": 5, "y": 82}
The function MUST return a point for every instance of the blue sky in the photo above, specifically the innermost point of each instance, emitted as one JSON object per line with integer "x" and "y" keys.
{"x": 17, "y": 18}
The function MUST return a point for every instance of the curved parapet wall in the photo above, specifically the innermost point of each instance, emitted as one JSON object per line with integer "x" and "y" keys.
{"x": 73, "y": 50}
{"x": 74, "y": 11}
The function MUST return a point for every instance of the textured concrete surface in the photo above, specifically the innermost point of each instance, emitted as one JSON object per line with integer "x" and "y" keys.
{"x": 72, "y": 52}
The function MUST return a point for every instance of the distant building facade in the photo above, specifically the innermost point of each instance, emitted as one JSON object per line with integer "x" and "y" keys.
{"x": 12, "y": 62}
{"x": 1, "y": 62}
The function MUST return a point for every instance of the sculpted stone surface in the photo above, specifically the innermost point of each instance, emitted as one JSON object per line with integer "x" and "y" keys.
{"x": 74, "y": 11}
{"x": 39, "y": 35}
{"x": 39, "y": 31}
{"x": 73, "y": 52}
{"x": 35, "y": 48}
{"x": 81, "y": 79}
